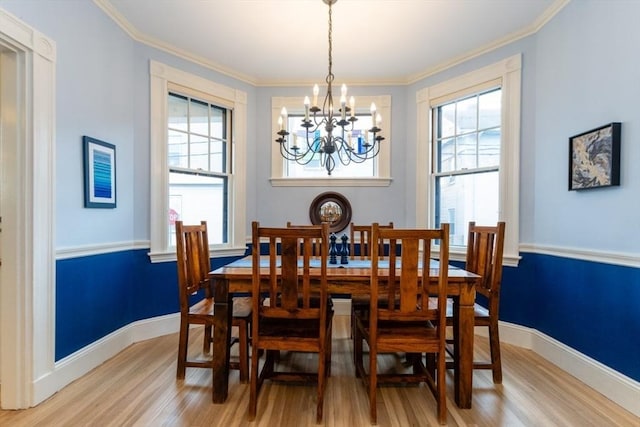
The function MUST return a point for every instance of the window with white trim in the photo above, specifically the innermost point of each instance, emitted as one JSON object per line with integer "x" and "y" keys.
{"x": 198, "y": 140}
{"x": 468, "y": 139}
{"x": 375, "y": 172}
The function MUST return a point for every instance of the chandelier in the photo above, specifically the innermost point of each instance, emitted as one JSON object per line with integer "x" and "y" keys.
{"x": 341, "y": 140}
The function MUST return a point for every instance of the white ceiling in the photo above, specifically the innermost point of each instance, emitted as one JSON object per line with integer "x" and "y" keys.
{"x": 269, "y": 42}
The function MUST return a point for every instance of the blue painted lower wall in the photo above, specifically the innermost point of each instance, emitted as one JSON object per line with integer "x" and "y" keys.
{"x": 591, "y": 307}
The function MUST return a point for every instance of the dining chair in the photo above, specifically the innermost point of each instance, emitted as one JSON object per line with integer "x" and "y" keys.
{"x": 362, "y": 234}
{"x": 296, "y": 316}
{"x": 193, "y": 265}
{"x": 485, "y": 245}
{"x": 406, "y": 322}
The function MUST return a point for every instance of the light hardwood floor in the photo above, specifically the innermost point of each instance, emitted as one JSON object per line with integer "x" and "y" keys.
{"x": 138, "y": 388}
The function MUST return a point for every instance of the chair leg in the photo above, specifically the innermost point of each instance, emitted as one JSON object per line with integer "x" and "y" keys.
{"x": 494, "y": 345}
{"x": 322, "y": 378}
{"x": 373, "y": 385}
{"x": 253, "y": 387}
{"x": 243, "y": 351}
{"x": 183, "y": 342}
{"x": 208, "y": 339}
{"x": 441, "y": 388}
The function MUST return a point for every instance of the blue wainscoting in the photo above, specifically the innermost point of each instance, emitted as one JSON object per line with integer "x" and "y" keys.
{"x": 99, "y": 294}
{"x": 589, "y": 306}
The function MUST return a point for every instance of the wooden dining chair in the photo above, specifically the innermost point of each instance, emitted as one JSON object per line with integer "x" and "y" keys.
{"x": 485, "y": 245}
{"x": 196, "y": 301}
{"x": 362, "y": 234}
{"x": 406, "y": 322}
{"x": 297, "y": 315}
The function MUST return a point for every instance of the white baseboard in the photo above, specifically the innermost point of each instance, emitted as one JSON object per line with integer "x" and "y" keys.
{"x": 620, "y": 389}
{"x": 81, "y": 362}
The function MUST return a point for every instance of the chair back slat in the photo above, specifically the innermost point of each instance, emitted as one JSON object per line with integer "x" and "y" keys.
{"x": 290, "y": 291}
{"x": 193, "y": 262}
{"x": 485, "y": 245}
{"x": 362, "y": 235}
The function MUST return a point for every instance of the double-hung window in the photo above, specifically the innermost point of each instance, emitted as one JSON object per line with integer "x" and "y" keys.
{"x": 199, "y": 158}
{"x": 468, "y": 154}
{"x": 198, "y": 150}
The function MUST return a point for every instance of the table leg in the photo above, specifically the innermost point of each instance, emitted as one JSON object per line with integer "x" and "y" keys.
{"x": 223, "y": 308}
{"x": 464, "y": 323}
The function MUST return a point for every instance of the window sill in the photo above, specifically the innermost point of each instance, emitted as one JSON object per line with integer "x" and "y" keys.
{"x": 330, "y": 182}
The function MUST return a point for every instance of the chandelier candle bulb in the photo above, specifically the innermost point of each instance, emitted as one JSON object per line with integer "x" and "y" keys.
{"x": 306, "y": 108}
{"x": 343, "y": 104}
{"x": 280, "y": 122}
{"x": 316, "y": 91}
{"x": 373, "y": 113}
{"x": 283, "y": 116}
{"x": 378, "y": 120}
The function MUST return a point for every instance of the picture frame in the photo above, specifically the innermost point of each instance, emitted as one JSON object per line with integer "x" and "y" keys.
{"x": 594, "y": 158}
{"x": 99, "y": 173}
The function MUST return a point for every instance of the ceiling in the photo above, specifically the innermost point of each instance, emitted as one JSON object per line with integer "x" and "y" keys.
{"x": 272, "y": 42}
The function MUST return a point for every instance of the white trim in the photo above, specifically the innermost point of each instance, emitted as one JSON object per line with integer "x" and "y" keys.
{"x": 140, "y": 37}
{"x": 615, "y": 258}
{"x": 27, "y": 276}
{"x": 160, "y": 77}
{"x": 84, "y": 360}
{"x": 617, "y": 387}
{"x": 294, "y": 105}
{"x": 509, "y": 71}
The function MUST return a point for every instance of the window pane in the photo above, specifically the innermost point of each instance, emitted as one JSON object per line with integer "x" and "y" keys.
{"x": 464, "y": 198}
{"x": 490, "y": 111}
{"x": 199, "y": 117}
{"x": 466, "y": 152}
{"x": 447, "y": 120}
{"x": 489, "y": 148}
{"x": 467, "y": 114}
{"x": 218, "y": 123}
{"x": 178, "y": 149}
{"x": 195, "y": 198}
{"x": 199, "y": 158}
{"x": 178, "y": 112}
{"x": 446, "y": 157}
{"x": 217, "y": 156}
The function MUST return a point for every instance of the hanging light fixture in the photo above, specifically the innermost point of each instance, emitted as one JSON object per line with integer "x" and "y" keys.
{"x": 341, "y": 140}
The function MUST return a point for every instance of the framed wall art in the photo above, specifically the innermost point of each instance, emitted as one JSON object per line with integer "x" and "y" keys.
{"x": 99, "y": 173}
{"x": 594, "y": 158}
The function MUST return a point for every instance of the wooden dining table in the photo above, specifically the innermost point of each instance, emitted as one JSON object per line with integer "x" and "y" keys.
{"x": 348, "y": 279}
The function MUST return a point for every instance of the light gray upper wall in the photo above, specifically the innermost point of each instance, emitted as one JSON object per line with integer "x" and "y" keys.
{"x": 94, "y": 97}
{"x": 587, "y": 75}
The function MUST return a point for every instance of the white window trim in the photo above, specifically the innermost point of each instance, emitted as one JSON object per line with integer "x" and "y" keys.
{"x": 295, "y": 106}
{"x": 161, "y": 75}
{"x": 509, "y": 73}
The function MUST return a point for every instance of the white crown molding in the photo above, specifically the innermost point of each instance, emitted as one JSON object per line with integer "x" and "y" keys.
{"x": 135, "y": 34}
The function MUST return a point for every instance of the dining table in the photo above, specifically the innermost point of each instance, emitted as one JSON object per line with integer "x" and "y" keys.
{"x": 345, "y": 280}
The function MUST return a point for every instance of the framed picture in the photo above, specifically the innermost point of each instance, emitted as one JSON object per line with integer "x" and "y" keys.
{"x": 594, "y": 158}
{"x": 99, "y": 173}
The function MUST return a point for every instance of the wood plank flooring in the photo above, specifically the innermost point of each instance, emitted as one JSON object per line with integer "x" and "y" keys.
{"x": 138, "y": 388}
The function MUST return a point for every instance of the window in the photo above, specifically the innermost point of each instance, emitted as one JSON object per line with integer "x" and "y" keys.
{"x": 467, "y": 161}
{"x": 469, "y": 136}
{"x": 375, "y": 172}
{"x": 198, "y": 158}
{"x": 198, "y": 139}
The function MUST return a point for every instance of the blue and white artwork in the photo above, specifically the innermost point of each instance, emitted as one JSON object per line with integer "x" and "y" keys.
{"x": 100, "y": 173}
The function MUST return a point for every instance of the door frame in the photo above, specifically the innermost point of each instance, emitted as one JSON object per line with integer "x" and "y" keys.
{"x": 27, "y": 152}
